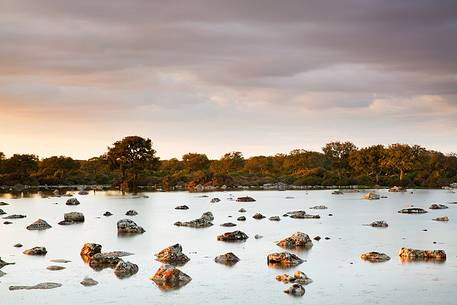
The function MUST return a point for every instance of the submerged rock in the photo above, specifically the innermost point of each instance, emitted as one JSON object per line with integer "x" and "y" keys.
{"x": 412, "y": 210}
{"x": 203, "y": 222}
{"x": 39, "y": 225}
{"x": 258, "y": 216}
{"x": 72, "y": 201}
{"x": 72, "y": 218}
{"x": 127, "y": 226}
{"x": 295, "y": 290}
{"x": 297, "y": 240}
{"x": 172, "y": 255}
{"x": 131, "y": 213}
{"x": 375, "y": 257}
{"x": 125, "y": 269}
{"x": 233, "y": 236}
{"x": 38, "y": 251}
{"x": 47, "y": 285}
{"x": 228, "y": 259}
{"x": 245, "y": 199}
{"x": 442, "y": 218}
{"x": 284, "y": 259}
{"x": 60, "y": 260}
{"x": 371, "y": 196}
{"x": 2, "y": 212}
{"x": 379, "y": 224}
{"x": 319, "y": 207}
{"x": 169, "y": 277}
{"x": 87, "y": 282}
{"x": 14, "y": 216}
{"x": 414, "y": 254}
{"x": 182, "y": 207}
{"x": 55, "y": 268}
{"x": 437, "y": 206}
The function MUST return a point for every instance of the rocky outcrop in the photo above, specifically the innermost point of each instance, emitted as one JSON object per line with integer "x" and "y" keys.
{"x": 169, "y": 277}
{"x": 14, "y": 216}
{"x": 72, "y": 201}
{"x": 127, "y": 226}
{"x": 233, "y": 236}
{"x": 172, "y": 255}
{"x": 437, "y": 206}
{"x": 39, "y": 225}
{"x": 283, "y": 259}
{"x": 442, "y": 218}
{"x": 371, "y": 196}
{"x": 301, "y": 215}
{"x": 228, "y": 259}
{"x": 38, "y": 251}
{"x": 414, "y": 254}
{"x": 412, "y": 210}
{"x": 379, "y": 224}
{"x": 245, "y": 199}
{"x": 47, "y": 285}
{"x": 131, "y": 213}
{"x": 375, "y": 257}
{"x": 182, "y": 207}
{"x": 203, "y": 222}
{"x": 274, "y": 218}
{"x": 125, "y": 269}
{"x": 258, "y": 216}
{"x": 87, "y": 282}
{"x": 297, "y": 240}
{"x": 72, "y": 218}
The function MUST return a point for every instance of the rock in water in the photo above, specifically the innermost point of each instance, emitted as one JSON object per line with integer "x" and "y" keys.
{"x": 215, "y": 200}
{"x": 2, "y": 212}
{"x": 298, "y": 277}
{"x": 172, "y": 255}
{"x": 412, "y": 210}
{"x": 182, "y": 207}
{"x": 228, "y": 224}
{"x": 203, "y": 222}
{"x": 60, "y": 260}
{"x": 47, "y": 285}
{"x": 89, "y": 250}
{"x": 241, "y": 218}
{"x": 107, "y": 213}
{"x": 319, "y": 207}
{"x": 169, "y": 277}
{"x": 131, "y": 213}
{"x": 301, "y": 215}
{"x": 18, "y": 245}
{"x": 375, "y": 257}
{"x": 72, "y": 218}
{"x": 296, "y": 290}
{"x": 228, "y": 259}
{"x": 436, "y": 206}
{"x": 125, "y": 269}
{"x": 274, "y": 218}
{"x": 127, "y": 226}
{"x": 38, "y": 251}
{"x": 371, "y": 196}
{"x": 245, "y": 199}
{"x": 233, "y": 236}
{"x": 297, "y": 240}
{"x": 87, "y": 282}
{"x": 14, "y": 216}
{"x": 55, "y": 268}
{"x": 242, "y": 210}
{"x": 101, "y": 261}
{"x": 442, "y": 218}
{"x": 414, "y": 254}
{"x": 3, "y": 263}
{"x": 284, "y": 259}
{"x": 379, "y": 224}
{"x": 258, "y": 216}
{"x": 72, "y": 201}
{"x": 39, "y": 225}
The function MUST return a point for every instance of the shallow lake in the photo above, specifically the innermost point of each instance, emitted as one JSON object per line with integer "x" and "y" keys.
{"x": 339, "y": 276}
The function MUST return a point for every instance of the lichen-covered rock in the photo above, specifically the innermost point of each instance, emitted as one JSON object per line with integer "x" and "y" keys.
{"x": 296, "y": 290}
{"x": 414, "y": 254}
{"x": 72, "y": 218}
{"x": 258, "y": 216}
{"x": 39, "y": 225}
{"x": 228, "y": 224}
{"x": 169, "y": 277}
{"x": 274, "y": 218}
{"x": 72, "y": 201}
{"x": 233, "y": 236}
{"x": 437, "y": 206}
{"x": 371, "y": 196}
{"x": 14, "y": 216}
{"x": 375, "y": 257}
{"x": 172, "y": 255}
{"x": 442, "y": 218}
{"x": 228, "y": 259}
{"x": 87, "y": 282}
{"x": 296, "y": 240}
{"x": 379, "y": 224}
{"x": 182, "y": 207}
{"x": 127, "y": 226}
{"x": 412, "y": 210}
{"x": 38, "y": 251}
{"x": 131, "y": 213}
{"x": 47, "y": 285}
{"x": 245, "y": 199}
{"x": 284, "y": 259}
{"x": 203, "y": 222}
{"x": 125, "y": 269}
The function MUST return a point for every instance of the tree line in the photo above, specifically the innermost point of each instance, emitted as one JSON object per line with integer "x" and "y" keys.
{"x": 132, "y": 162}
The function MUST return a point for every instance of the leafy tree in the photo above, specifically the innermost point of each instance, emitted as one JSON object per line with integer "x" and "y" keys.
{"x": 338, "y": 153}
{"x": 195, "y": 162}
{"x": 20, "y": 167}
{"x": 403, "y": 157}
{"x": 368, "y": 160}
{"x": 131, "y": 155}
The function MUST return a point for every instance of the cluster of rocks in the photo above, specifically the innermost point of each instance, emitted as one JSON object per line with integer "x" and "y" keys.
{"x": 414, "y": 254}
{"x": 172, "y": 255}
{"x": 298, "y": 280}
{"x": 296, "y": 240}
{"x": 91, "y": 254}
{"x": 202, "y": 222}
{"x": 127, "y": 226}
{"x": 72, "y": 218}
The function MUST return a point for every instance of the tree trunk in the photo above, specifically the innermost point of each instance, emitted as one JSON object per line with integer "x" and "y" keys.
{"x": 402, "y": 174}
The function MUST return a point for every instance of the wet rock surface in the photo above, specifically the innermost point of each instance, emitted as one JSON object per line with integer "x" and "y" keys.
{"x": 296, "y": 240}
{"x": 37, "y": 251}
{"x": 375, "y": 257}
{"x": 46, "y": 285}
{"x": 233, "y": 236}
{"x": 172, "y": 255}
{"x": 228, "y": 259}
{"x": 284, "y": 259}
{"x": 168, "y": 277}
{"x": 127, "y": 226}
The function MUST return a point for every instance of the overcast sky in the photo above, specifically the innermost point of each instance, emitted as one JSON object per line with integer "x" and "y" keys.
{"x": 260, "y": 77}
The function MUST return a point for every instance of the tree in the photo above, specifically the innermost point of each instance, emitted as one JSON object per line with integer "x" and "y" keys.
{"x": 20, "y": 167}
{"x": 131, "y": 155}
{"x": 231, "y": 162}
{"x": 195, "y": 162}
{"x": 403, "y": 157}
{"x": 338, "y": 153}
{"x": 368, "y": 160}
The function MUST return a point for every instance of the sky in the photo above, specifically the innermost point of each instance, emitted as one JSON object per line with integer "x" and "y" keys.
{"x": 213, "y": 76}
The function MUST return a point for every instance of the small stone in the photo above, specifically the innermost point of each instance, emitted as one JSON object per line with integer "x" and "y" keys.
{"x": 182, "y": 207}
{"x": 87, "y": 282}
{"x": 72, "y": 201}
{"x": 317, "y": 238}
{"x": 228, "y": 224}
{"x": 258, "y": 236}
{"x": 107, "y": 213}
{"x": 55, "y": 268}
{"x": 228, "y": 259}
{"x": 131, "y": 213}
{"x": 18, "y": 245}
{"x": 258, "y": 216}
{"x": 38, "y": 251}
{"x": 47, "y": 285}
{"x": 241, "y": 218}
{"x": 242, "y": 210}
{"x": 274, "y": 218}
{"x": 245, "y": 199}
